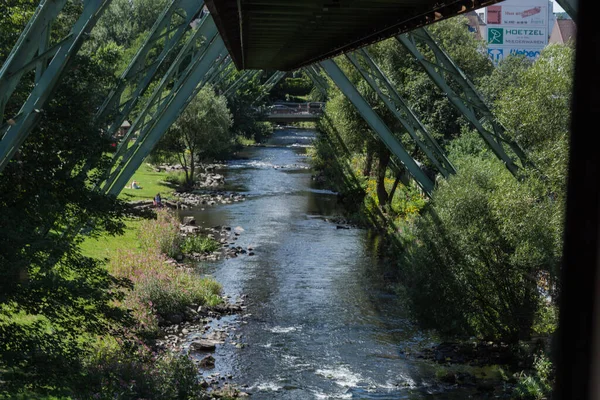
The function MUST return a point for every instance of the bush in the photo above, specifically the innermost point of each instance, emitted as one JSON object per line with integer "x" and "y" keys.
{"x": 481, "y": 253}
{"x": 160, "y": 287}
{"x": 538, "y": 385}
{"x": 129, "y": 370}
{"x": 161, "y": 234}
{"x": 199, "y": 244}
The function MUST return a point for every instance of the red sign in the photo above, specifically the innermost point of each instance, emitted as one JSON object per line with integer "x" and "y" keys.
{"x": 533, "y": 11}
{"x": 494, "y": 15}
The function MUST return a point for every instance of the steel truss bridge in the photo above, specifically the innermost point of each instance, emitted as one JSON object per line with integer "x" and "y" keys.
{"x": 197, "y": 48}
{"x": 258, "y": 35}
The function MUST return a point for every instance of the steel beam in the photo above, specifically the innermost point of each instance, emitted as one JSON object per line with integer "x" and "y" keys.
{"x": 571, "y": 7}
{"x": 16, "y": 130}
{"x": 470, "y": 102}
{"x": 377, "y": 124}
{"x": 270, "y": 84}
{"x": 195, "y": 46}
{"x": 161, "y": 122}
{"x": 322, "y": 88}
{"x": 143, "y": 67}
{"x": 244, "y": 77}
{"x": 400, "y": 109}
{"x": 25, "y": 55}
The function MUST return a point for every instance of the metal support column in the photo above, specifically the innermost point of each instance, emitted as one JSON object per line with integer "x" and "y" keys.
{"x": 246, "y": 76}
{"x": 166, "y": 32}
{"x": 195, "y": 46}
{"x": 270, "y": 84}
{"x": 17, "y": 128}
{"x": 316, "y": 79}
{"x": 377, "y": 124}
{"x": 400, "y": 109}
{"x": 470, "y": 102}
{"x": 161, "y": 122}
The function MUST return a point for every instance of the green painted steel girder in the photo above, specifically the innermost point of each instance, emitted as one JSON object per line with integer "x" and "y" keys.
{"x": 186, "y": 91}
{"x": 400, "y": 109}
{"x": 316, "y": 80}
{"x": 377, "y": 124}
{"x": 25, "y": 55}
{"x": 469, "y": 102}
{"x": 137, "y": 73}
{"x": 571, "y": 7}
{"x": 156, "y": 103}
{"x": 221, "y": 72}
{"x": 14, "y": 132}
{"x": 244, "y": 77}
{"x": 270, "y": 84}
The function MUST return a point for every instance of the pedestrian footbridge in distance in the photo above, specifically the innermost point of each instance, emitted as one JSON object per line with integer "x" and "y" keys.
{"x": 293, "y": 112}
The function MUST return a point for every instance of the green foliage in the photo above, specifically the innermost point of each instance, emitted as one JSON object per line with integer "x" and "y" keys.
{"x": 50, "y": 294}
{"x": 537, "y": 111}
{"x": 199, "y": 244}
{"x": 201, "y": 132}
{"x": 291, "y": 87}
{"x": 126, "y": 20}
{"x": 538, "y": 385}
{"x": 128, "y": 370}
{"x": 161, "y": 235}
{"x": 160, "y": 287}
{"x": 481, "y": 251}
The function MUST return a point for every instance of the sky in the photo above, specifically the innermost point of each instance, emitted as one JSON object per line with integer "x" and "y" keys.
{"x": 557, "y": 8}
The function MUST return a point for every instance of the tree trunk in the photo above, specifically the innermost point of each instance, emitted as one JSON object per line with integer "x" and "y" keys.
{"x": 192, "y": 170}
{"x": 183, "y": 163}
{"x": 368, "y": 162}
{"x": 396, "y": 182}
{"x": 384, "y": 160}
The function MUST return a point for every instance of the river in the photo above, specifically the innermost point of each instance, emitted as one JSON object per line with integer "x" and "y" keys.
{"x": 322, "y": 321}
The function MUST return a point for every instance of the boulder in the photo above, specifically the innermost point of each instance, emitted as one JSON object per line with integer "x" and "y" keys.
{"x": 207, "y": 362}
{"x": 189, "y": 221}
{"x": 204, "y": 345}
{"x": 174, "y": 318}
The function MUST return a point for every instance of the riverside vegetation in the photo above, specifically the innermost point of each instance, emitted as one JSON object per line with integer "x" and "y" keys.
{"x": 480, "y": 260}
{"x": 71, "y": 325}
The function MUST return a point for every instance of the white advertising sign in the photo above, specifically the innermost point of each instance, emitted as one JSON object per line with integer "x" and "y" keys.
{"x": 517, "y": 27}
{"x": 519, "y": 15}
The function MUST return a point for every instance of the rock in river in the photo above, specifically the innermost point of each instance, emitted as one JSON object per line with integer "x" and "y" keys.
{"x": 203, "y": 345}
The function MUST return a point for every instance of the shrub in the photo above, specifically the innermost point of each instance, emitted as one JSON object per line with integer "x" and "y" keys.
{"x": 481, "y": 251}
{"x": 199, "y": 244}
{"x": 160, "y": 287}
{"x": 161, "y": 234}
{"x": 129, "y": 370}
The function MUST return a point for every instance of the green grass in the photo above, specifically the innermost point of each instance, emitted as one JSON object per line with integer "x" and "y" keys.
{"x": 200, "y": 244}
{"x": 105, "y": 246}
{"x": 151, "y": 182}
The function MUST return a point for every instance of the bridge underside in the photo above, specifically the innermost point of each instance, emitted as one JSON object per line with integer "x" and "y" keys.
{"x": 286, "y": 35}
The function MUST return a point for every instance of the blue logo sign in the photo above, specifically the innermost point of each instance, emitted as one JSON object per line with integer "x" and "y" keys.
{"x": 496, "y": 54}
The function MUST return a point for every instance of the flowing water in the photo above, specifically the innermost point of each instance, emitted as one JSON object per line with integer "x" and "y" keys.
{"x": 322, "y": 321}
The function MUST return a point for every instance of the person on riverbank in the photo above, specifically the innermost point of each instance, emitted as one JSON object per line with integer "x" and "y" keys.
{"x": 158, "y": 200}
{"x": 134, "y": 185}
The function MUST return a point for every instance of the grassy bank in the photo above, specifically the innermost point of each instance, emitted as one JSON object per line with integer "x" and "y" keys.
{"x": 151, "y": 183}
{"x": 122, "y": 366}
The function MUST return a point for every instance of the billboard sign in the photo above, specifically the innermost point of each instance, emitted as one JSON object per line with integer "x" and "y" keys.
{"x": 518, "y": 36}
{"x": 517, "y": 27}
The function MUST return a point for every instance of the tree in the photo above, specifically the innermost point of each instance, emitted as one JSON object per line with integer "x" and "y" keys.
{"x": 51, "y": 296}
{"x": 481, "y": 251}
{"x": 536, "y": 112}
{"x": 201, "y": 132}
